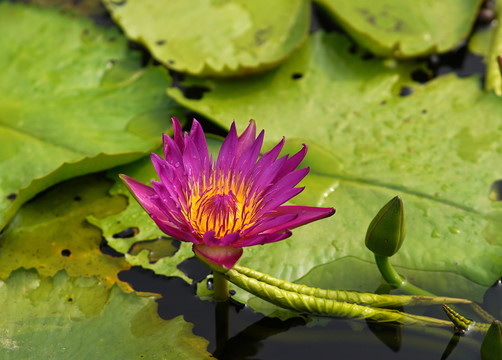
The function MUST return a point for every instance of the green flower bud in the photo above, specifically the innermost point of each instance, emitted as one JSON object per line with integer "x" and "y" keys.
{"x": 491, "y": 348}
{"x": 387, "y": 230}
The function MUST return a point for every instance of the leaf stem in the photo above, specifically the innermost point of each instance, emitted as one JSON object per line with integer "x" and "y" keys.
{"x": 394, "y": 279}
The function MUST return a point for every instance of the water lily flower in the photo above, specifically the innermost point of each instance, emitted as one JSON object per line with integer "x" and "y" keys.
{"x": 224, "y": 205}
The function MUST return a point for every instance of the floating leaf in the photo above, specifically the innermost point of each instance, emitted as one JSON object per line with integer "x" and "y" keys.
{"x": 215, "y": 37}
{"x": 64, "y": 318}
{"x": 70, "y": 104}
{"x": 405, "y": 29}
{"x": 140, "y": 245}
{"x": 437, "y": 148}
{"x": 50, "y": 233}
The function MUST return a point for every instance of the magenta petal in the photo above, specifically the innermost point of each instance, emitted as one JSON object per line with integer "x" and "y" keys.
{"x": 199, "y": 140}
{"x": 249, "y": 156}
{"x": 226, "y": 157}
{"x": 305, "y": 214}
{"x": 225, "y": 256}
{"x": 263, "y": 239}
{"x": 143, "y": 193}
{"x": 246, "y": 139}
{"x": 271, "y": 222}
{"x": 171, "y": 230}
{"x": 172, "y": 152}
{"x": 178, "y": 136}
{"x": 295, "y": 160}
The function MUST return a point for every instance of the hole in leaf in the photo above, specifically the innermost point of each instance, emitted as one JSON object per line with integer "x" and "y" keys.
{"x": 424, "y": 111}
{"x": 65, "y": 252}
{"x": 171, "y": 62}
{"x": 157, "y": 249}
{"x": 368, "y": 56}
{"x": 70, "y": 299}
{"x": 420, "y": 76}
{"x": 160, "y": 42}
{"x": 296, "y": 76}
{"x": 11, "y": 197}
{"x": 195, "y": 92}
{"x": 495, "y": 193}
{"x": 107, "y": 250}
{"x": 405, "y": 91}
{"x": 126, "y": 233}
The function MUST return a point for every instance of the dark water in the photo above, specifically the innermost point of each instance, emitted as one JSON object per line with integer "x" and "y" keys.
{"x": 254, "y": 336}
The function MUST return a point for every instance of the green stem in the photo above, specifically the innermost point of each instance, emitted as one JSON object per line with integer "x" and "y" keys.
{"x": 321, "y": 306}
{"x": 394, "y": 279}
{"x": 354, "y": 297}
{"x": 220, "y": 286}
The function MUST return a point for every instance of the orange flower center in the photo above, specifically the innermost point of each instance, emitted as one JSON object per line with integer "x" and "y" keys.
{"x": 221, "y": 206}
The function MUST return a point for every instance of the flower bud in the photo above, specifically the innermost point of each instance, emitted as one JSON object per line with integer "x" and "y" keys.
{"x": 491, "y": 348}
{"x": 387, "y": 230}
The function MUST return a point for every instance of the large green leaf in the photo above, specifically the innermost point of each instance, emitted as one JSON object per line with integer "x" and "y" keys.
{"x": 74, "y": 100}
{"x": 438, "y": 148}
{"x": 50, "y": 233}
{"x": 405, "y": 28}
{"x": 220, "y": 38}
{"x": 64, "y": 318}
{"x": 145, "y": 245}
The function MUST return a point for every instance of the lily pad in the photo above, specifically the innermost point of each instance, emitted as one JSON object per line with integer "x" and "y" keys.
{"x": 438, "y": 148}
{"x": 64, "y": 318}
{"x": 218, "y": 38}
{"x": 50, "y": 233}
{"x": 145, "y": 245}
{"x": 70, "y": 106}
{"x": 405, "y": 29}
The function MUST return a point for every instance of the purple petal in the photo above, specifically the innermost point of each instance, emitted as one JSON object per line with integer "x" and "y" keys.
{"x": 267, "y": 175}
{"x": 199, "y": 140}
{"x": 178, "y": 136}
{"x": 249, "y": 157}
{"x": 295, "y": 160}
{"x": 263, "y": 239}
{"x": 267, "y": 223}
{"x": 226, "y": 157}
{"x": 143, "y": 193}
{"x": 173, "y": 231}
{"x": 149, "y": 200}
{"x": 246, "y": 139}
{"x": 305, "y": 214}
{"x": 209, "y": 238}
{"x": 225, "y": 256}
{"x": 229, "y": 239}
{"x": 172, "y": 152}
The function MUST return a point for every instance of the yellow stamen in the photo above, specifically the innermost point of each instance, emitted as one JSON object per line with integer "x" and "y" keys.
{"x": 220, "y": 204}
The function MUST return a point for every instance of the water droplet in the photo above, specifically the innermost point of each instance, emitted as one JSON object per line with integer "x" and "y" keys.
{"x": 454, "y": 230}
{"x": 435, "y": 234}
{"x": 177, "y": 164}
